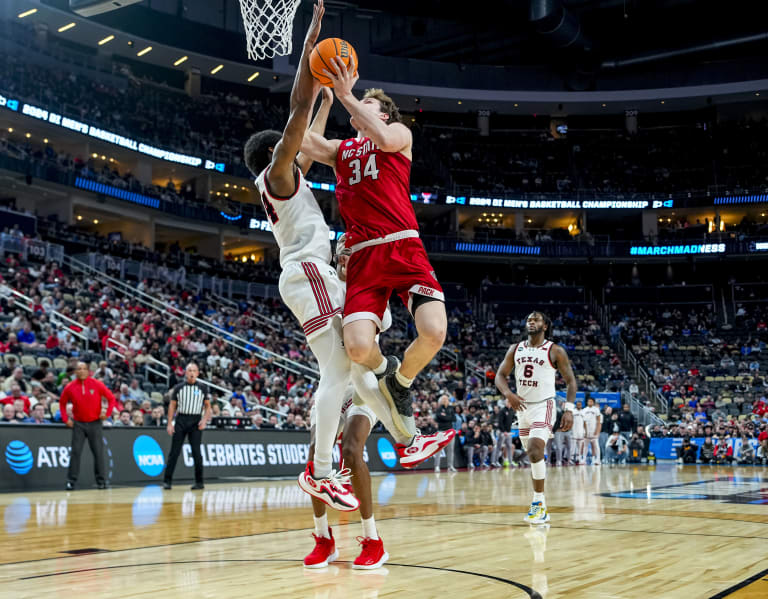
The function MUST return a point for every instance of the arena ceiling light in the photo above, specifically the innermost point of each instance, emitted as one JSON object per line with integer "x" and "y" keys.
{"x": 216, "y": 69}
{"x": 27, "y": 13}
{"x": 146, "y": 50}
{"x": 106, "y": 40}
{"x": 256, "y": 74}
{"x": 66, "y": 27}
{"x": 180, "y": 60}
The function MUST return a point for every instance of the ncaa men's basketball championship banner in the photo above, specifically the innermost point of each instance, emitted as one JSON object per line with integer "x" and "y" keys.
{"x": 38, "y": 456}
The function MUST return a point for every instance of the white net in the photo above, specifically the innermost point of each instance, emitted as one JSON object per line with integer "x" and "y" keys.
{"x": 268, "y": 27}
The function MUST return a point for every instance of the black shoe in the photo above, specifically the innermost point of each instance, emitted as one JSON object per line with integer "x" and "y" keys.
{"x": 197, "y": 486}
{"x": 167, "y": 486}
{"x": 101, "y": 485}
{"x": 70, "y": 486}
{"x": 392, "y": 365}
{"x": 400, "y": 404}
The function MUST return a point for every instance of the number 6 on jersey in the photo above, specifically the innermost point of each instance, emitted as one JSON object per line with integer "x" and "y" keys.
{"x": 370, "y": 170}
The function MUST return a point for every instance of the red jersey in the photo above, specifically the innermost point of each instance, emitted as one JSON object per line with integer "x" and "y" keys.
{"x": 373, "y": 191}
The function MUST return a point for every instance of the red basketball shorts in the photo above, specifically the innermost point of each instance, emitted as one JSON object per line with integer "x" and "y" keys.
{"x": 374, "y": 272}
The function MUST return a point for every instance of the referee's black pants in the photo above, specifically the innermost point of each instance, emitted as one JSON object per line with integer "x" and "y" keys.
{"x": 186, "y": 426}
{"x": 94, "y": 432}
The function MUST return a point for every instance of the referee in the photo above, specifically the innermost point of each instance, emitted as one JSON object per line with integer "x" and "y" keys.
{"x": 189, "y": 399}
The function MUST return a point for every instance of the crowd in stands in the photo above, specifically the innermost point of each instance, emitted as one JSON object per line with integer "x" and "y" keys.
{"x": 712, "y": 377}
{"x": 119, "y": 336}
{"x": 216, "y": 124}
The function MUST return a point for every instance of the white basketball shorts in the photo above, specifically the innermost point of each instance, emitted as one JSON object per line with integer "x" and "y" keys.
{"x": 537, "y": 419}
{"x": 314, "y": 293}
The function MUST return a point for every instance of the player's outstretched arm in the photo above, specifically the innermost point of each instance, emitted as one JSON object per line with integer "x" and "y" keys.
{"x": 320, "y": 149}
{"x": 502, "y": 373}
{"x": 563, "y": 365}
{"x": 390, "y": 138}
{"x": 281, "y": 175}
{"x": 317, "y": 126}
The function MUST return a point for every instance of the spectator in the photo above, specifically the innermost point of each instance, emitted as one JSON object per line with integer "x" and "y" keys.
{"x": 16, "y": 378}
{"x": 445, "y": 416}
{"x": 124, "y": 420}
{"x": 9, "y": 414}
{"x": 38, "y": 415}
{"x": 136, "y": 393}
{"x": 626, "y": 421}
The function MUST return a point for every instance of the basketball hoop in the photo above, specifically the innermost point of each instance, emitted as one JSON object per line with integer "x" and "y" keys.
{"x": 268, "y": 27}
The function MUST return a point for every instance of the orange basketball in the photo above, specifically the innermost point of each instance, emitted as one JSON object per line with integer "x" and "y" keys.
{"x": 323, "y": 53}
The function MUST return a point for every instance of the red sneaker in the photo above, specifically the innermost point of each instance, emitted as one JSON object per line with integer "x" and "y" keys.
{"x": 323, "y": 553}
{"x": 329, "y": 490}
{"x": 423, "y": 447}
{"x": 372, "y": 556}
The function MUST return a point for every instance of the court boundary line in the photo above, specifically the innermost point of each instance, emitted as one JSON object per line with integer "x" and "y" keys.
{"x": 740, "y": 585}
{"x": 531, "y": 592}
{"x": 650, "y": 532}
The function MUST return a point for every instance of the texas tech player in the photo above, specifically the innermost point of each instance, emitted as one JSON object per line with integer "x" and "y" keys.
{"x": 536, "y": 362}
{"x": 373, "y": 192}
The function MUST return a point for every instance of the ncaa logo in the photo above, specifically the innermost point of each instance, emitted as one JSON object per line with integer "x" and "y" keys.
{"x": 19, "y": 457}
{"x": 148, "y": 455}
{"x": 387, "y": 452}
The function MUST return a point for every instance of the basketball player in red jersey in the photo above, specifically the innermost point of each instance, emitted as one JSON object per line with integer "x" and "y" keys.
{"x": 373, "y": 191}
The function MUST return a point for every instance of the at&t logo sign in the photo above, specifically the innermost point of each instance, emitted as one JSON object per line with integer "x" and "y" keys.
{"x": 19, "y": 457}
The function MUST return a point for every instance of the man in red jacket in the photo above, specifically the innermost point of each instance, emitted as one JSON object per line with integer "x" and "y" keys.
{"x": 85, "y": 393}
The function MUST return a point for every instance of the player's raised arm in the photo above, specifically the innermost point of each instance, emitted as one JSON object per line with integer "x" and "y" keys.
{"x": 281, "y": 175}
{"x": 318, "y": 126}
{"x": 319, "y": 149}
{"x": 390, "y": 138}
{"x": 563, "y": 365}
{"x": 502, "y": 373}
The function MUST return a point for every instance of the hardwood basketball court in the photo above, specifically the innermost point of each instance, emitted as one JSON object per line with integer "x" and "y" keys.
{"x": 624, "y": 532}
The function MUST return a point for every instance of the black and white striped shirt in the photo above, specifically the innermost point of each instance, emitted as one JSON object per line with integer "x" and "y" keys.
{"x": 189, "y": 398}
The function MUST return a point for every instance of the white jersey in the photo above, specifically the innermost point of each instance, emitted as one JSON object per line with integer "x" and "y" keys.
{"x": 578, "y": 423}
{"x": 297, "y": 222}
{"x": 534, "y": 372}
{"x": 590, "y": 416}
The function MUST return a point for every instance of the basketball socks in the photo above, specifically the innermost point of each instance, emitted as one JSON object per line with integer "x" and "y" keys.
{"x": 381, "y": 367}
{"x": 403, "y": 380}
{"x": 321, "y": 526}
{"x": 367, "y": 388}
{"x": 538, "y": 497}
{"x": 369, "y": 528}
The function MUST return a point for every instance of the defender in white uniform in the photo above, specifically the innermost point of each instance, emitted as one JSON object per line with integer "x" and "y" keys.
{"x": 536, "y": 362}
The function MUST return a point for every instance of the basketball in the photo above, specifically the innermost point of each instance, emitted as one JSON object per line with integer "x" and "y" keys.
{"x": 323, "y": 53}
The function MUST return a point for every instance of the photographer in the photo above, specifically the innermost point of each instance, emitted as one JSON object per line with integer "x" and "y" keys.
{"x": 707, "y": 454}
{"x": 746, "y": 452}
{"x": 686, "y": 453}
{"x": 636, "y": 449}
{"x": 616, "y": 448}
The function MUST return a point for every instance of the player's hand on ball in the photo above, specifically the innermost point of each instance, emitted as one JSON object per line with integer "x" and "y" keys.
{"x": 566, "y": 422}
{"x": 344, "y": 76}
{"x": 169, "y": 428}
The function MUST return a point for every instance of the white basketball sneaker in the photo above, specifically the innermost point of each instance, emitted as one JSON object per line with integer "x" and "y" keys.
{"x": 537, "y": 514}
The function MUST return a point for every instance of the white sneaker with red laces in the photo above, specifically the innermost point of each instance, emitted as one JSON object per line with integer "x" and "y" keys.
{"x": 330, "y": 490}
{"x": 323, "y": 553}
{"x": 423, "y": 447}
{"x": 372, "y": 556}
